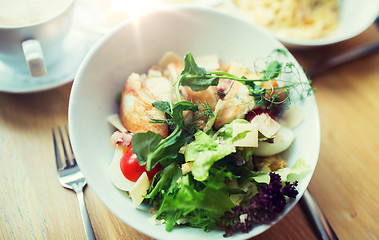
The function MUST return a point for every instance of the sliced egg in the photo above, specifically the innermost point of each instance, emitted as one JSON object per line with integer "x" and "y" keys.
{"x": 292, "y": 117}
{"x": 282, "y": 141}
{"x": 136, "y": 189}
{"x": 118, "y": 179}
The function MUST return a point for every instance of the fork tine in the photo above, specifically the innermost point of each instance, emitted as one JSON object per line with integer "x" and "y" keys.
{"x": 69, "y": 143}
{"x": 71, "y": 177}
{"x": 58, "y": 159}
{"x": 64, "y": 148}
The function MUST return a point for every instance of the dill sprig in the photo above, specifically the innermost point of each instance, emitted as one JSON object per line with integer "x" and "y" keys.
{"x": 201, "y": 117}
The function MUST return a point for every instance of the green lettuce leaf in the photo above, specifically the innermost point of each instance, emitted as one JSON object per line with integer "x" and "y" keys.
{"x": 226, "y": 132}
{"x": 296, "y": 172}
{"x": 165, "y": 180}
{"x": 197, "y": 204}
{"x": 203, "y": 152}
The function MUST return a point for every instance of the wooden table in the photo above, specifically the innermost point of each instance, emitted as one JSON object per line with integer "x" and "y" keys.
{"x": 345, "y": 183}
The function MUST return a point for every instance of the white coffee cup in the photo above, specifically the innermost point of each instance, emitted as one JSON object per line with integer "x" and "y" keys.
{"x": 31, "y": 32}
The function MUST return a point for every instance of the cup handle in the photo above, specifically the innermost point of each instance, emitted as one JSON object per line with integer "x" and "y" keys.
{"x": 34, "y": 57}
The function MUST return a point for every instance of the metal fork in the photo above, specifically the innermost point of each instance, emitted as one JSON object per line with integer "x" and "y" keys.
{"x": 320, "y": 223}
{"x": 70, "y": 176}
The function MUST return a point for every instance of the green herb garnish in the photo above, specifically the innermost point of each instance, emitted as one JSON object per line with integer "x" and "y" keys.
{"x": 150, "y": 148}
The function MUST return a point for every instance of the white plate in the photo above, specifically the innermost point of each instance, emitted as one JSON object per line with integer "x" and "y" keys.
{"x": 135, "y": 46}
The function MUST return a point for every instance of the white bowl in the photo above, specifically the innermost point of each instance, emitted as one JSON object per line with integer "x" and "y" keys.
{"x": 139, "y": 43}
{"x": 355, "y": 17}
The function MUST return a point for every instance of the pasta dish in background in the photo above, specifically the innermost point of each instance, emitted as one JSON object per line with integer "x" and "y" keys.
{"x": 306, "y": 19}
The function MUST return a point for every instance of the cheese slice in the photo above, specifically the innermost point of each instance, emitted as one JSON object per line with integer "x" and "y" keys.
{"x": 266, "y": 125}
{"x": 140, "y": 189}
{"x": 136, "y": 189}
{"x": 251, "y": 138}
{"x": 167, "y": 58}
{"x": 237, "y": 70}
{"x": 209, "y": 62}
{"x": 116, "y": 122}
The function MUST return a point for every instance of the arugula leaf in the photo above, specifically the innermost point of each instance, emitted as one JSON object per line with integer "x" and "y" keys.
{"x": 144, "y": 145}
{"x": 163, "y": 106}
{"x": 167, "y": 150}
{"x": 166, "y": 180}
{"x": 190, "y": 66}
{"x": 151, "y": 149}
{"x": 199, "y": 84}
{"x": 195, "y": 77}
{"x": 177, "y": 112}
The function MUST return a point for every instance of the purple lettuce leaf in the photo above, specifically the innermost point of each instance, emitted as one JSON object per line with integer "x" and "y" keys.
{"x": 262, "y": 208}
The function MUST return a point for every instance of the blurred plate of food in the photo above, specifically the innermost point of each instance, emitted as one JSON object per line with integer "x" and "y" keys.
{"x": 308, "y": 23}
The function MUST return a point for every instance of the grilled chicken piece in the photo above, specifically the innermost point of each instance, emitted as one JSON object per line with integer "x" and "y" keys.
{"x": 140, "y": 91}
{"x": 236, "y": 104}
{"x": 173, "y": 71}
{"x": 136, "y": 108}
{"x": 208, "y": 96}
{"x": 237, "y": 101}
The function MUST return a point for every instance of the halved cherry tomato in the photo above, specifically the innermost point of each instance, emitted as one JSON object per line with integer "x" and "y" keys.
{"x": 131, "y": 169}
{"x": 250, "y": 115}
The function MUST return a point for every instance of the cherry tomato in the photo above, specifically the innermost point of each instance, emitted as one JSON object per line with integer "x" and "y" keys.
{"x": 131, "y": 169}
{"x": 250, "y": 115}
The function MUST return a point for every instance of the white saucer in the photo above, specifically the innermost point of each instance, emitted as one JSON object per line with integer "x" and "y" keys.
{"x": 81, "y": 37}
{"x": 75, "y": 47}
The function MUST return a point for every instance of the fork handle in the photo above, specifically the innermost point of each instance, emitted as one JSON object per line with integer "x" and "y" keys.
{"x": 83, "y": 210}
{"x": 324, "y": 230}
